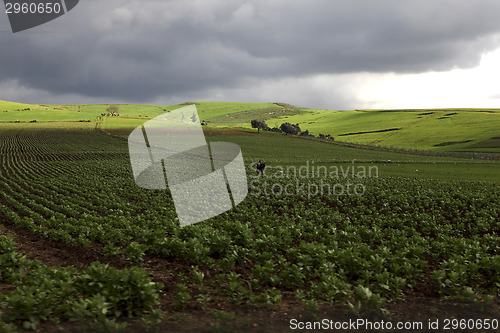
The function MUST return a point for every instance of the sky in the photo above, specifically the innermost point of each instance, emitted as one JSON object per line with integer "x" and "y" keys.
{"x": 325, "y": 54}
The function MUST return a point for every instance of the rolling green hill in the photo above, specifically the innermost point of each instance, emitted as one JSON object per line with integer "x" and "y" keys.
{"x": 476, "y": 130}
{"x": 12, "y": 112}
{"x": 450, "y": 130}
{"x": 15, "y": 112}
{"x": 437, "y": 129}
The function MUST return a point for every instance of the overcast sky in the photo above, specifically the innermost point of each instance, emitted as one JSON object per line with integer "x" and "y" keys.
{"x": 324, "y": 54}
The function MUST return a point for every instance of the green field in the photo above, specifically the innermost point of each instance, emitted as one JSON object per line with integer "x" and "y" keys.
{"x": 448, "y": 130}
{"x": 11, "y": 112}
{"x": 282, "y": 150}
{"x": 422, "y": 240}
{"x": 476, "y": 130}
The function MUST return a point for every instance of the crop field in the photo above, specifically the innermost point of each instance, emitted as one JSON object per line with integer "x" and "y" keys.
{"x": 422, "y": 240}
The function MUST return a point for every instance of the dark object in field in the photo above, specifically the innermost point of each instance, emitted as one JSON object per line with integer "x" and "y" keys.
{"x": 260, "y": 167}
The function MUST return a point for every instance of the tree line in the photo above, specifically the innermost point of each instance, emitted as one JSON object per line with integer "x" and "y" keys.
{"x": 287, "y": 128}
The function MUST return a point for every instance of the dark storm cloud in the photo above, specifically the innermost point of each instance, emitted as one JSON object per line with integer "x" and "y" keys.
{"x": 137, "y": 51}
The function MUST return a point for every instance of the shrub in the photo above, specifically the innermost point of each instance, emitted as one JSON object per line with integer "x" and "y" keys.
{"x": 290, "y": 128}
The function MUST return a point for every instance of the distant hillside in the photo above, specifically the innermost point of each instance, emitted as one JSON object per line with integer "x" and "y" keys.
{"x": 11, "y": 112}
{"x": 436, "y": 129}
{"x": 13, "y": 106}
{"x": 431, "y": 129}
{"x": 444, "y": 129}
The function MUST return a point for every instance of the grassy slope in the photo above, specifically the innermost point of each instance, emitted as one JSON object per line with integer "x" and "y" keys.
{"x": 10, "y": 111}
{"x": 208, "y": 110}
{"x": 444, "y": 130}
{"x": 16, "y": 112}
{"x": 419, "y": 129}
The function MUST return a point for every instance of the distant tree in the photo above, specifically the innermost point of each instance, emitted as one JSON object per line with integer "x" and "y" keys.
{"x": 290, "y": 128}
{"x": 113, "y": 110}
{"x": 259, "y": 124}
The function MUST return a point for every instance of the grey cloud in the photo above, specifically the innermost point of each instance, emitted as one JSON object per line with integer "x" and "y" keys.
{"x": 138, "y": 51}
